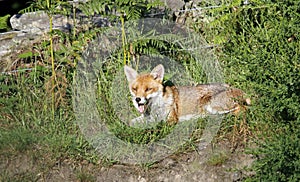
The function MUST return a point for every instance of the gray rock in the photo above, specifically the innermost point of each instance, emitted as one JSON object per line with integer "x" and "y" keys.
{"x": 12, "y": 43}
{"x": 38, "y": 22}
{"x": 174, "y": 5}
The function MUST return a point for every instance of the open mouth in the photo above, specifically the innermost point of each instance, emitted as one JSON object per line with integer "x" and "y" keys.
{"x": 141, "y": 108}
{"x": 142, "y": 105}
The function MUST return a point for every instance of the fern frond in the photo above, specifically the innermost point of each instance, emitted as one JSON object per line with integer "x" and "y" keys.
{"x": 132, "y": 9}
{"x": 3, "y": 21}
{"x": 29, "y": 9}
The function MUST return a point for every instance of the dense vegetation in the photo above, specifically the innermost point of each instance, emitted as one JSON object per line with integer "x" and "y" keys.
{"x": 262, "y": 48}
{"x": 257, "y": 45}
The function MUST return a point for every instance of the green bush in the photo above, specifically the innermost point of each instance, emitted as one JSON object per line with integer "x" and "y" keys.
{"x": 281, "y": 157}
{"x": 261, "y": 55}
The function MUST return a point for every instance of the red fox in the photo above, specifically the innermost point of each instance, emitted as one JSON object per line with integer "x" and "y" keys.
{"x": 160, "y": 101}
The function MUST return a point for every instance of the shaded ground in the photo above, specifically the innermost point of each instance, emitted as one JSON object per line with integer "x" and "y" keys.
{"x": 221, "y": 165}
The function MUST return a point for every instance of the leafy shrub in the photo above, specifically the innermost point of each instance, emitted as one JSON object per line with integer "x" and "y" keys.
{"x": 281, "y": 157}
{"x": 261, "y": 55}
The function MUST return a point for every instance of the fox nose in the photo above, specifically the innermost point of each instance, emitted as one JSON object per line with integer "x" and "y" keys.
{"x": 138, "y": 99}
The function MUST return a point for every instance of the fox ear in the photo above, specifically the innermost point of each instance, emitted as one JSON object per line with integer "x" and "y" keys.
{"x": 158, "y": 72}
{"x": 130, "y": 73}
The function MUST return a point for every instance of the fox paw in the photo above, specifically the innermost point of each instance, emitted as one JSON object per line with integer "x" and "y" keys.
{"x": 138, "y": 120}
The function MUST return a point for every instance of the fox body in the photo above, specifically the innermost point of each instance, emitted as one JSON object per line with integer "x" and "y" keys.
{"x": 156, "y": 100}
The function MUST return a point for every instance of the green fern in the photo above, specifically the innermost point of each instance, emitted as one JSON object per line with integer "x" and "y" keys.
{"x": 130, "y": 9}
{"x": 3, "y": 22}
{"x": 56, "y": 7}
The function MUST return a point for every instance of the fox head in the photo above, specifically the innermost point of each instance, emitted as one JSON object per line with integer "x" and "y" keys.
{"x": 145, "y": 88}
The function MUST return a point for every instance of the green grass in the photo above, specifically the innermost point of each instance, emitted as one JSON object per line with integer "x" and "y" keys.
{"x": 27, "y": 129}
{"x": 19, "y": 139}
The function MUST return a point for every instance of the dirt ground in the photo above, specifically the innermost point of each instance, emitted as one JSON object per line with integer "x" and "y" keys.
{"x": 216, "y": 163}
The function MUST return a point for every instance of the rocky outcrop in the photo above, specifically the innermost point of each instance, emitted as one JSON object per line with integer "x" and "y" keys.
{"x": 30, "y": 28}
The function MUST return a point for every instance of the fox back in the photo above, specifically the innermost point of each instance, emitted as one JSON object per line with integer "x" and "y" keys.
{"x": 209, "y": 99}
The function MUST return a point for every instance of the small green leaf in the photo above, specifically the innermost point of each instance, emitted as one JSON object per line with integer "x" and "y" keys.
{"x": 25, "y": 55}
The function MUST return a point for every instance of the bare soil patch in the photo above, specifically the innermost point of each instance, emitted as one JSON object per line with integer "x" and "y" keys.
{"x": 216, "y": 163}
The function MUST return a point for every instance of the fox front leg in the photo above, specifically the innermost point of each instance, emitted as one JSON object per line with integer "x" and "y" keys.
{"x": 142, "y": 120}
{"x": 139, "y": 120}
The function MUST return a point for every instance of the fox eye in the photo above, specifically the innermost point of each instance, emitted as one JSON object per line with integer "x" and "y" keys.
{"x": 134, "y": 89}
{"x": 149, "y": 89}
